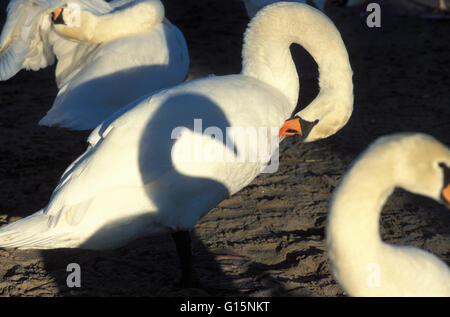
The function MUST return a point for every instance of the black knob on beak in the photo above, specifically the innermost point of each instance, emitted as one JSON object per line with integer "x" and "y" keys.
{"x": 57, "y": 16}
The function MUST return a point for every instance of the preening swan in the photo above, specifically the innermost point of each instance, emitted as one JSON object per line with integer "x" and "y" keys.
{"x": 361, "y": 262}
{"x": 108, "y": 54}
{"x": 138, "y": 175}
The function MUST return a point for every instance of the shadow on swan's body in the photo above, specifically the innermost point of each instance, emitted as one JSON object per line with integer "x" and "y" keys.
{"x": 134, "y": 179}
{"x": 121, "y": 51}
{"x": 361, "y": 262}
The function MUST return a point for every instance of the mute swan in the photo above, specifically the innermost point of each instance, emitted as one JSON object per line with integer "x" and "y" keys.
{"x": 360, "y": 261}
{"x": 136, "y": 179}
{"x": 118, "y": 52}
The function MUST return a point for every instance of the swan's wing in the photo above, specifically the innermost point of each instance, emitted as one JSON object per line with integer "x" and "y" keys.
{"x": 103, "y": 134}
{"x": 139, "y": 133}
{"x": 135, "y": 153}
{"x": 72, "y": 56}
{"x": 109, "y": 167}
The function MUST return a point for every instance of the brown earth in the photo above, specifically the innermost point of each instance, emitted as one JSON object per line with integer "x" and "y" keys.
{"x": 267, "y": 240}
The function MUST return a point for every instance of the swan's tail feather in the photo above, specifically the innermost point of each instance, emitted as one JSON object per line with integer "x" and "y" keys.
{"x": 31, "y": 232}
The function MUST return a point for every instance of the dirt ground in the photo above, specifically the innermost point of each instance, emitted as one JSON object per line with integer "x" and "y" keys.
{"x": 268, "y": 239}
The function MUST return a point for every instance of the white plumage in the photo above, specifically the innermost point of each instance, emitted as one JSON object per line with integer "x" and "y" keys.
{"x": 95, "y": 76}
{"x": 136, "y": 179}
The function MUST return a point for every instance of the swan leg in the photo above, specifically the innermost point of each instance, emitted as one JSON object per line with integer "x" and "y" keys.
{"x": 183, "y": 245}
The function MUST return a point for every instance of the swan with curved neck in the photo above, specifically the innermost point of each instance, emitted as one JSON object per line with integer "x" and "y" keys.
{"x": 361, "y": 262}
{"x": 266, "y": 56}
{"x": 136, "y": 179}
{"x": 108, "y": 54}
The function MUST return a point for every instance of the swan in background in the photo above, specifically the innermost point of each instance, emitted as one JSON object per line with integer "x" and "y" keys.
{"x": 361, "y": 262}
{"x": 136, "y": 178}
{"x": 117, "y": 52}
{"x": 253, "y": 6}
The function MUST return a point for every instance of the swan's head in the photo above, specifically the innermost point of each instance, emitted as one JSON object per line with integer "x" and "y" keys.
{"x": 326, "y": 115}
{"x": 421, "y": 164}
{"x": 73, "y": 22}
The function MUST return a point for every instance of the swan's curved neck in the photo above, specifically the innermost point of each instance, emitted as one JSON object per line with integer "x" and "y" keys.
{"x": 353, "y": 234}
{"x": 357, "y": 204}
{"x": 360, "y": 260}
{"x": 266, "y": 53}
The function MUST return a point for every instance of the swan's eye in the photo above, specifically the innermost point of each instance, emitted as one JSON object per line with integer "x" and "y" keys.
{"x": 446, "y": 171}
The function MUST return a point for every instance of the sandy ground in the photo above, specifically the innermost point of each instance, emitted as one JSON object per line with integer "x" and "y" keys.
{"x": 267, "y": 240}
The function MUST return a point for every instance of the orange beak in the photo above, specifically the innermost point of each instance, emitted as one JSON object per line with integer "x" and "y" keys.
{"x": 56, "y": 14}
{"x": 291, "y": 127}
{"x": 446, "y": 194}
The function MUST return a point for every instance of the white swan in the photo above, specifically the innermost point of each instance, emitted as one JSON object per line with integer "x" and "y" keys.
{"x": 361, "y": 262}
{"x": 137, "y": 178}
{"x": 119, "y": 52}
